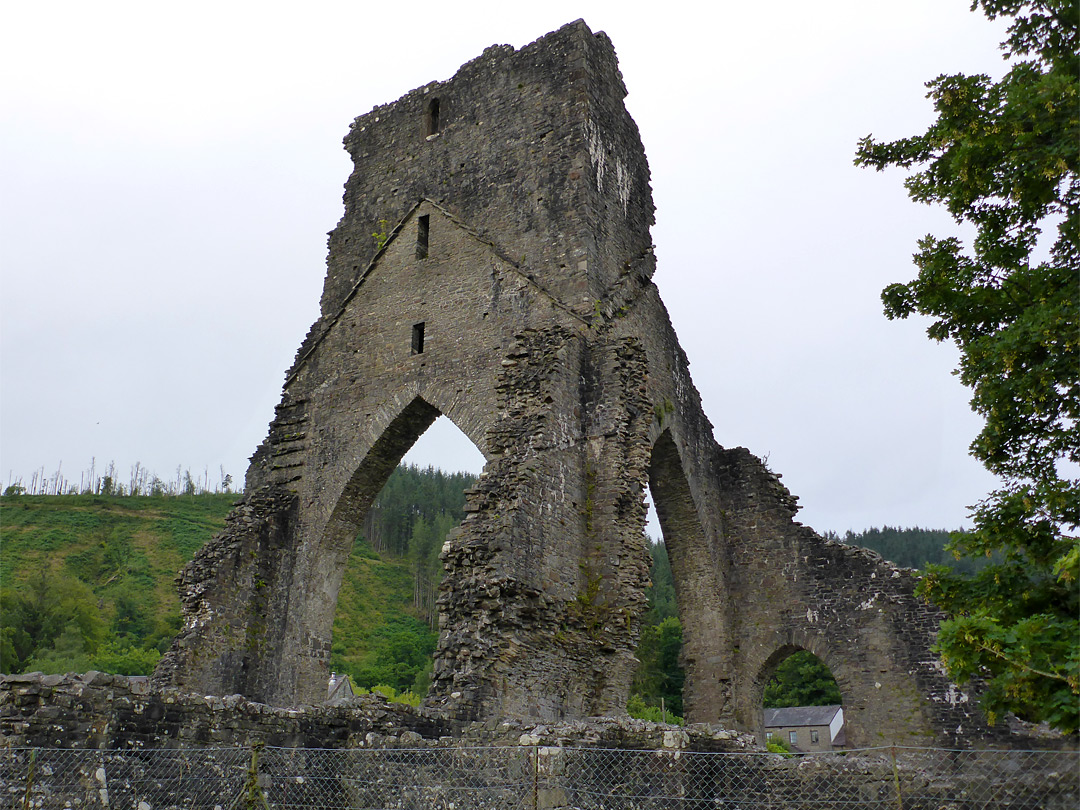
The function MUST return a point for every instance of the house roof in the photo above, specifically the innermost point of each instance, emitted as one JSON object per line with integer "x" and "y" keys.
{"x": 792, "y": 716}
{"x": 339, "y": 688}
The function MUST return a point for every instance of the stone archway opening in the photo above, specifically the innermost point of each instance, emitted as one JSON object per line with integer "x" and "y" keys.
{"x": 700, "y": 599}
{"x": 656, "y": 693}
{"x": 801, "y": 702}
{"x": 385, "y": 626}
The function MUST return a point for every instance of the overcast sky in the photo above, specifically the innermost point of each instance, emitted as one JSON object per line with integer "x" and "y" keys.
{"x": 168, "y": 173}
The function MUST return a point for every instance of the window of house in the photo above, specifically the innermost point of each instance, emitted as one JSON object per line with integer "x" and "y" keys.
{"x": 814, "y": 736}
{"x": 768, "y": 735}
{"x": 793, "y": 737}
{"x": 418, "y": 338}
{"x": 422, "y": 225}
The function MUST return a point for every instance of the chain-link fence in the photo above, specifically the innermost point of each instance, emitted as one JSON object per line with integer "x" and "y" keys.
{"x": 535, "y": 778}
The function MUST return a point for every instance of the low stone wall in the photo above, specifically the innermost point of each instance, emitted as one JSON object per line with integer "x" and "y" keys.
{"x": 99, "y": 740}
{"x": 100, "y": 711}
{"x": 103, "y": 711}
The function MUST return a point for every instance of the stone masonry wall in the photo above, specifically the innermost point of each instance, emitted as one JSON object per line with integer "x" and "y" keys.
{"x": 855, "y": 611}
{"x": 106, "y": 741}
{"x": 221, "y": 634}
{"x": 494, "y": 265}
{"x": 534, "y": 150}
{"x": 529, "y": 199}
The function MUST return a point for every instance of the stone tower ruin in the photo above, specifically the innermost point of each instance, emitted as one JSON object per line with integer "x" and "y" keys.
{"x": 494, "y": 265}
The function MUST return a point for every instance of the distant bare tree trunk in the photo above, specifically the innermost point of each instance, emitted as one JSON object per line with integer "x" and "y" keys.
{"x": 424, "y": 594}
{"x": 371, "y": 530}
{"x": 138, "y": 479}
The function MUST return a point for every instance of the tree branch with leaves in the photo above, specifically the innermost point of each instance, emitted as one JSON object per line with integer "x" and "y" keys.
{"x": 1002, "y": 156}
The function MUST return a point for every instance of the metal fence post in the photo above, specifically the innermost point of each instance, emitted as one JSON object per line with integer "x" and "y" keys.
{"x": 536, "y": 777}
{"x": 26, "y": 802}
{"x": 253, "y": 795}
{"x": 896, "y": 779}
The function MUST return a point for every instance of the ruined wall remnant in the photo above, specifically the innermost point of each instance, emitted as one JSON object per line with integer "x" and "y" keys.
{"x": 107, "y": 741}
{"x": 494, "y": 265}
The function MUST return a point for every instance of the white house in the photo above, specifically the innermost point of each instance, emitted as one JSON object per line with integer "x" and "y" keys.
{"x": 807, "y": 728}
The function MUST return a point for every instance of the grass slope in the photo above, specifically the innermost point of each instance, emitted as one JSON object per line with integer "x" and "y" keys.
{"x": 112, "y": 544}
{"x": 379, "y": 636}
{"x": 128, "y": 551}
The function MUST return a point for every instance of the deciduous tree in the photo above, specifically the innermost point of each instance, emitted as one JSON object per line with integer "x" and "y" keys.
{"x": 802, "y": 679}
{"x": 1003, "y": 157}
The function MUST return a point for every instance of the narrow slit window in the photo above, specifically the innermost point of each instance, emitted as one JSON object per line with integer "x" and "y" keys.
{"x": 431, "y": 120}
{"x": 422, "y": 225}
{"x": 418, "y": 338}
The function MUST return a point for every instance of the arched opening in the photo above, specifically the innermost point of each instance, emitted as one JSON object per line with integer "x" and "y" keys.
{"x": 385, "y": 624}
{"x": 656, "y": 692}
{"x": 801, "y": 703}
{"x": 689, "y": 588}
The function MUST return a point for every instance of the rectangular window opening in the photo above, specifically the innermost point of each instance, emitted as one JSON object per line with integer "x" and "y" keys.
{"x": 418, "y": 338}
{"x": 422, "y": 224}
{"x": 814, "y": 736}
{"x": 431, "y": 118}
{"x": 793, "y": 737}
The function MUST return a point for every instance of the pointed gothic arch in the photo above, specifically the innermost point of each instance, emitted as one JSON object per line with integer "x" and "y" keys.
{"x": 398, "y": 425}
{"x": 322, "y": 563}
{"x": 699, "y": 591}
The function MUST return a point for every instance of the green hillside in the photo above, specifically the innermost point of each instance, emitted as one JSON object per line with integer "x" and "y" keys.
{"x": 380, "y": 635}
{"x": 86, "y": 581}
{"x": 384, "y": 629}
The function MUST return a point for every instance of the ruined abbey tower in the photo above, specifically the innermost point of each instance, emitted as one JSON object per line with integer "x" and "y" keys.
{"x": 494, "y": 265}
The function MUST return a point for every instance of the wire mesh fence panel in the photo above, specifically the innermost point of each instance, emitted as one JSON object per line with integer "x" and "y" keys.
{"x": 137, "y": 779}
{"x": 177, "y": 778}
{"x": 1000, "y": 779}
{"x": 405, "y": 779}
{"x": 535, "y": 778}
{"x": 32, "y": 776}
{"x": 651, "y": 780}
{"x": 896, "y": 779}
